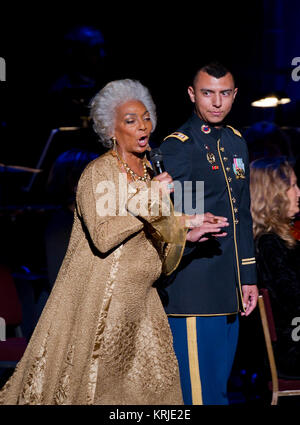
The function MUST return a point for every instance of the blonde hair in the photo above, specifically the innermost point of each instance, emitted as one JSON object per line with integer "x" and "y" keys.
{"x": 270, "y": 178}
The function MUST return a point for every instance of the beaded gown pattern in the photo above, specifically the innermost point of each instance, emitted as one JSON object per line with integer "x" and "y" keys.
{"x": 103, "y": 336}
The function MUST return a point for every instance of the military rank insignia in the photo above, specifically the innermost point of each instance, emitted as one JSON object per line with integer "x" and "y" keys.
{"x": 182, "y": 137}
{"x": 238, "y": 168}
{"x": 205, "y": 129}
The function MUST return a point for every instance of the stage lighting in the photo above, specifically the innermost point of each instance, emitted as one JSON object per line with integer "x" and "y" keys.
{"x": 272, "y": 100}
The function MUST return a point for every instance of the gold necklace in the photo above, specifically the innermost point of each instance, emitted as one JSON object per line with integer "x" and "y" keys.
{"x": 131, "y": 173}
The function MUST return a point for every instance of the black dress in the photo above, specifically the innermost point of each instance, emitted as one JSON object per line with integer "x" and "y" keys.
{"x": 279, "y": 272}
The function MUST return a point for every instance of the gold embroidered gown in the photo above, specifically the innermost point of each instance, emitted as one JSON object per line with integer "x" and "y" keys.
{"x": 103, "y": 336}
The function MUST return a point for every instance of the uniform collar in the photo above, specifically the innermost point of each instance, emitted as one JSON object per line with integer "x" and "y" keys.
{"x": 205, "y": 128}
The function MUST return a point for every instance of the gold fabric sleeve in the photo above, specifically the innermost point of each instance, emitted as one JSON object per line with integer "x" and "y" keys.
{"x": 156, "y": 210}
{"x": 130, "y": 208}
{"x": 107, "y": 229}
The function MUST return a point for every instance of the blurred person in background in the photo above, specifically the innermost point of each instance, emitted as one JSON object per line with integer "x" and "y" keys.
{"x": 274, "y": 205}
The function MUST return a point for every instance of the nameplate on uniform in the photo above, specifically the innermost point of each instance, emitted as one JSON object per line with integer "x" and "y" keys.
{"x": 182, "y": 137}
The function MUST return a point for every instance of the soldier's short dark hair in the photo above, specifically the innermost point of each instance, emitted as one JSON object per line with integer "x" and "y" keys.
{"x": 215, "y": 69}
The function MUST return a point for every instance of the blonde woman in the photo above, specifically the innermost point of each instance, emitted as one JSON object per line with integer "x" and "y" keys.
{"x": 274, "y": 203}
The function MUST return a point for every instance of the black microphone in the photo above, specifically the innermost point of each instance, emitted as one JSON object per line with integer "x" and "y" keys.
{"x": 156, "y": 159}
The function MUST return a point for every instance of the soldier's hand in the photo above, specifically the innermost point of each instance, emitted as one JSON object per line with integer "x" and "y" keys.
{"x": 250, "y": 296}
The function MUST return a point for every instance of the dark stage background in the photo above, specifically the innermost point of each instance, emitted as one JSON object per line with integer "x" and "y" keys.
{"x": 160, "y": 47}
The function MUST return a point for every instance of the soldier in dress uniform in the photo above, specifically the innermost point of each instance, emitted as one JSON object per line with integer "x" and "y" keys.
{"x": 217, "y": 278}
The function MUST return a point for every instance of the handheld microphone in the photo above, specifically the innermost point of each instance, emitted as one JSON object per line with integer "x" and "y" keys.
{"x": 156, "y": 159}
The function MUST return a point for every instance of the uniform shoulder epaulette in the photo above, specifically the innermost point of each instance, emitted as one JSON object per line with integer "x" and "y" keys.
{"x": 234, "y": 130}
{"x": 182, "y": 137}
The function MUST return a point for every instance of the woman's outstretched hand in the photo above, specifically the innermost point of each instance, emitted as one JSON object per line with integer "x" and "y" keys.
{"x": 204, "y": 226}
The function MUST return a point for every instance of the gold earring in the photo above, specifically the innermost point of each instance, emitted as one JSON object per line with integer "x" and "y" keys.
{"x": 114, "y": 140}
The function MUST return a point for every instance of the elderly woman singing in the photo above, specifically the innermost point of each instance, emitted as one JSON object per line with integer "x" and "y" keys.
{"x": 103, "y": 336}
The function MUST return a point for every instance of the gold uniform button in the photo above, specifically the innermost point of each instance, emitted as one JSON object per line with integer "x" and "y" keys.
{"x": 235, "y": 210}
{"x": 227, "y": 169}
{"x": 236, "y": 221}
{"x": 225, "y": 158}
{"x": 234, "y": 200}
{"x": 222, "y": 149}
{"x": 229, "y": 179}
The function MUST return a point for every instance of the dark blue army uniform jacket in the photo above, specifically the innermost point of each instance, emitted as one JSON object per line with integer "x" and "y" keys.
{"x": 209, "y": 278}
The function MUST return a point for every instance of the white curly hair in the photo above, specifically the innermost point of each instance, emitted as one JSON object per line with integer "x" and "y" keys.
{"x": 103, "y": 106}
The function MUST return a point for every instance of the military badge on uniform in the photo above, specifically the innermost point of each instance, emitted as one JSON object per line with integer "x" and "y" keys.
{"x": 210, "y": 157}
{"x": 238, "y": 168}
{"x": 205, "y": 128}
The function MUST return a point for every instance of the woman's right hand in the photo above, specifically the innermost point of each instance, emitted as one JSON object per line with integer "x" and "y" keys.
{"x": 166, "y": 181}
